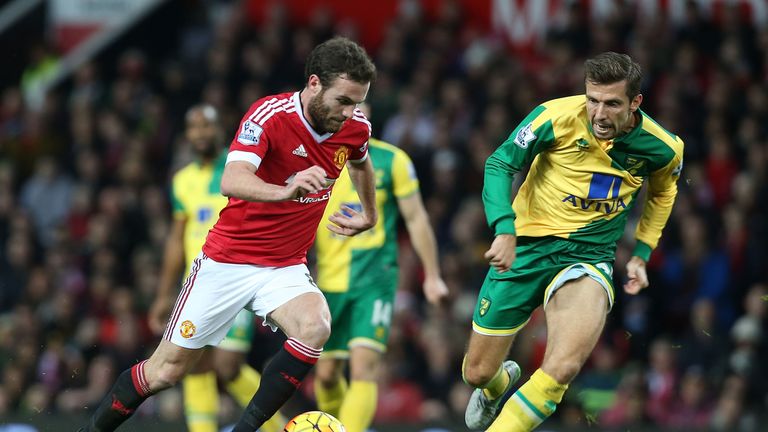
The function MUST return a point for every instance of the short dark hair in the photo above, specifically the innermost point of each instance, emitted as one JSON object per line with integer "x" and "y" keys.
{"x": 209, "y": 112}
{"x": 610, "y": 67}
{"x": 339, "y": 56}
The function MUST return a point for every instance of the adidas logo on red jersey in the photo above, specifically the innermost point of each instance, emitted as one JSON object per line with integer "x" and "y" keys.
{"x": 300, "y": 151}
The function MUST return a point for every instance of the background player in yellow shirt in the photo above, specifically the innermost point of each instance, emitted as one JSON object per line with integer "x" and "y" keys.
{"x": 197, "y": 200}
{"x": 358, "y": 276}
{"x": 554, "y": 246}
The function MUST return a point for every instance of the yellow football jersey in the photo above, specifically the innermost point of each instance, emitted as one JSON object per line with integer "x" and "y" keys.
{"x": 579, "y": 187}
{"x": 371, "y": 256}
{"x": 196, "y": 196}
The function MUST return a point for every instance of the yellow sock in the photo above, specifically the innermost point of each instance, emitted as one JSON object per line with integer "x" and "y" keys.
{"x": 497, "y": 385}
{"x": 330, "y": 399}
{"x": 531, "y": 404}
{"x": 359, "y": 406}
{"x": 243, "y": 387}
{"x": 201, "y": 402}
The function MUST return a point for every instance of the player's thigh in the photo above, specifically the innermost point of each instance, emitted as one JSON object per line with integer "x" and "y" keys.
{"x": 291, "y": 301}
{"x": 210, "y": 298}
{"x": 485, "y": 353}
{"x": 575, "y": 316}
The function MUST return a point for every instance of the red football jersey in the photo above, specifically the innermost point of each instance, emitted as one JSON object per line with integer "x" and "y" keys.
{"x": 275, "y": 136}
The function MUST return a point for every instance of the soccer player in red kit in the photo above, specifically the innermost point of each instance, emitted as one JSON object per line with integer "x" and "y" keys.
{"x": 280, "y": 169}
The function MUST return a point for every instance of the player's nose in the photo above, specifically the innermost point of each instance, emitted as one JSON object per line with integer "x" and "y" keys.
{"x": 600, "y": 111}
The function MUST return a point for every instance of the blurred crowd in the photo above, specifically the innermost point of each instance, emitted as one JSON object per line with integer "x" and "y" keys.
{"x": 84, "y": 208}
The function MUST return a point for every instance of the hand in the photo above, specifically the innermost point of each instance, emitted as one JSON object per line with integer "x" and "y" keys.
{"x": 501, "y": 255}
{"x": 349, "y": 222}
{"x": 305, "y": 182}
{"x": 435, "y": 290}
{"x": 638, "y": 278}
{"x": 158, "y": 314}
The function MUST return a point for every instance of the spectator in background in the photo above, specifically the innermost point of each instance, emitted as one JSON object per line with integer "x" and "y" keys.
{"x": 47, "y": 196}
{"x": 697, "y": 269}
{"x": 662, "y": 378}
{"x": 704, "y": 343}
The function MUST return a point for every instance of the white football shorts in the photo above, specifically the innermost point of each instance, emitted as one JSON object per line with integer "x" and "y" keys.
{"x": 214, "y": 293}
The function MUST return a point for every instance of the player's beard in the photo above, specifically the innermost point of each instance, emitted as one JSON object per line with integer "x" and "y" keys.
{"x": 206, "y": 150}
{"x": 320, "y": 115}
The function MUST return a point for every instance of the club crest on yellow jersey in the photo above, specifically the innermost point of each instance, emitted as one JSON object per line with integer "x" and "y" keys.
{"x": 634, "y": 164}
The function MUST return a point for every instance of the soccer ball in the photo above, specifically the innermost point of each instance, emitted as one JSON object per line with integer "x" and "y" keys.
{"x": 314, "y": 421}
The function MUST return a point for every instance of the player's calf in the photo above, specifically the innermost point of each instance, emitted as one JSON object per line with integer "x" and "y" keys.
{"x": 280, "y": 380}
{"x": 128, "y": 392}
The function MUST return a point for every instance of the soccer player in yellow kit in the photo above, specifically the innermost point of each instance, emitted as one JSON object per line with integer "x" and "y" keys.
{"x": 197, "y": 200}
{"x": 358, "y": 276}
{"x": 554, "y": 246}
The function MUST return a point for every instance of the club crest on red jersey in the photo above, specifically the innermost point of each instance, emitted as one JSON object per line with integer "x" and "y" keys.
{"x": 340, "y": 157}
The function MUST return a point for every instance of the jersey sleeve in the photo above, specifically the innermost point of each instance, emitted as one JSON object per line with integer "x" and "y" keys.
{"x": 662, "y": 190}
{"x": 404, "y": 180}
{"x": 532, "y": 136}
{"x": 251, "y": 141}
{"x": 359, "y": 152}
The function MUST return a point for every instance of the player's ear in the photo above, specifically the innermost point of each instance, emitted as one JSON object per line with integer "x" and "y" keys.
{"x": 313, "y": 85}
{"x": 635, "y": 103}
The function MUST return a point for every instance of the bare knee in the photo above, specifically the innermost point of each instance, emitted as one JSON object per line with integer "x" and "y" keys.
{"x": 563, "y": 371}
{"x": 305, "y": 318}
{"x": 314, "y": 330}
{"x": 477, "y": 372}
{"x": 364, "y": 364}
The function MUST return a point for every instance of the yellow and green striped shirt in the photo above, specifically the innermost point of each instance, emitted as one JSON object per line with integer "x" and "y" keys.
{"x": 579, "y": 187}
{"x": 371, "y": 256}
{"x": 196, "y": 196}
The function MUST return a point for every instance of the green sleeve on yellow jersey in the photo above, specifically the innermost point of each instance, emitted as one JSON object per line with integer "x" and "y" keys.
{"x": 532, "y": 136}
{"x": 662, "y": 189}
{"x": 404, "y": 180}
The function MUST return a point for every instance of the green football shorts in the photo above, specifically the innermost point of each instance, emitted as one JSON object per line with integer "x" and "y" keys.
{"x": 542, "y": 265}
{"x": 240, "y": 334}
{"x": 359, "y": 317}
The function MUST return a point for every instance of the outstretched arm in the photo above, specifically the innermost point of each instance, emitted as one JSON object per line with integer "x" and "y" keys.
{"x": 423, "y": 239}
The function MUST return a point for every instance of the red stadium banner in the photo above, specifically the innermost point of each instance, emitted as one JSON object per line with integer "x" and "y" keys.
{"x": 73, "y": 22}
{"x": 368, "y": 18}
{"x": 522, "y": 23}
